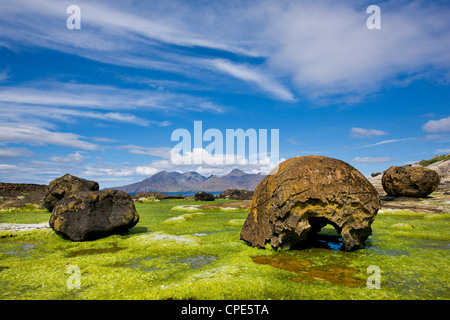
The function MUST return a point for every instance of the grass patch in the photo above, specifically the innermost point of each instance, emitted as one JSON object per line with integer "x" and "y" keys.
{"x": 426, "y": 163}
{"x": 25, "y": 208}
{"x": 198, "y": 255}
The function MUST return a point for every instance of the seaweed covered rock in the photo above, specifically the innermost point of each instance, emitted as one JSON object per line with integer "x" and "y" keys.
{"x": 304, "y": 195}
{"x": 64, "y": 186}
{"x": 93, "y": 214}
{"x": 203, "y": 196}
{"x": 410, "y": 181}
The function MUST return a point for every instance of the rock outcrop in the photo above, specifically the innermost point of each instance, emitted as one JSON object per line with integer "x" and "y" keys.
{"x": 203, "y": 196}
{"x": 155, "y": 195}
{"x": 94, "y": 214}
{"x": 21, "y": 194}
{"x": 304, "y": 195}
{"x": 236, "y": 194}
{"x": 409, "y": 181}
{"x": 64, "y": 186}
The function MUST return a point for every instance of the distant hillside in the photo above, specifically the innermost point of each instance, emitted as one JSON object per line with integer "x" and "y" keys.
{"x": 165, "y": 182}
{"x": 192, "y": 181}
{"x": 236, "y": 179}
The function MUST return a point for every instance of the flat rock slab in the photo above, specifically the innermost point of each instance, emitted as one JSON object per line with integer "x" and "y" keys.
{"x": 23, "y": 226}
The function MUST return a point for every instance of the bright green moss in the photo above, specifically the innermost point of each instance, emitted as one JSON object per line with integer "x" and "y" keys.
{"x": 187, "y": 257}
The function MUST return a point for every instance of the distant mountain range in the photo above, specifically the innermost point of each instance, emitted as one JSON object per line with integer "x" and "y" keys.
{"x": 192, "y": 181}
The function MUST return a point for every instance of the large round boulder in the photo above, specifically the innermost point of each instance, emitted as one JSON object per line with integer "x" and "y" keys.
{"x": 64, "y": 186}
{"x": 409, "y": 181}
{"x": 304, "y": 195}
{"x": 93, "y": 214}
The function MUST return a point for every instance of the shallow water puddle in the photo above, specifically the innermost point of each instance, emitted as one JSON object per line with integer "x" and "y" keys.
{"x": 137, "y": 264}
{"x": 332, "y": 273}
{"x": 21, "y": 250}
{"x": 197, "y": 261}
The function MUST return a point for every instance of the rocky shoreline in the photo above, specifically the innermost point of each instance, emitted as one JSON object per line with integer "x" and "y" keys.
{"x": 30, "y": 197}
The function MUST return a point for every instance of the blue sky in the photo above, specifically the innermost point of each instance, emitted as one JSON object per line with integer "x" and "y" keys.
{"x": 102, "y": 102}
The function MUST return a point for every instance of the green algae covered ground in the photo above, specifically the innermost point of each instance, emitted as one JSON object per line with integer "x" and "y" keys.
{"x": 178, "y": 251}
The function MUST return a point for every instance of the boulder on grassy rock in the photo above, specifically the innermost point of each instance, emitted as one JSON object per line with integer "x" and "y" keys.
{"x": 305, "y": 194}
{"x": 64, "y": 186}
{"x": 203, "y": 196}
{"x": 409, "y": 181}
{"x": 91, "y": 215}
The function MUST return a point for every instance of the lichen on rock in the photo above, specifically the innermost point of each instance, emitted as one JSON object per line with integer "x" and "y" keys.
{"x": 306, "y": 194}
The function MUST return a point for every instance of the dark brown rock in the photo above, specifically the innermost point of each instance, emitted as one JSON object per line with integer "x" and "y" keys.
{"x": 21, "y": 194}
{"x": 64, "y": 186}
{"x": 236, "y": 194}
{"x": 203, "y": 196}
{"x": 95, "y": 214}
{"x": 304, "y": 195}
{"x": 410, "y": 181}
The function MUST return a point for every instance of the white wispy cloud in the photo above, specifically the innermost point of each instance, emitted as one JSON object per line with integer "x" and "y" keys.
{"x": 322, "y": 48}
{"x": 372, "y": 160}
{"x": 8, "y": 153}
{"x": 252, "y": 75}
{"x": 56, "y": 102}
{"x": 46, "y": 93}
{"x": 162, "y": 152}
{"x": 366, "y": 133}
{"x": 3, "y": 75}
{"x": 36, "y": 135}
{"x": 386, "y": 142}
{"x": 327, "y": 50}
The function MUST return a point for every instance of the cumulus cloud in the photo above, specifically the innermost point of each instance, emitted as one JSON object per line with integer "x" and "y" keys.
{"x": 74, "y": 158}
{"x": 441, "y": 125}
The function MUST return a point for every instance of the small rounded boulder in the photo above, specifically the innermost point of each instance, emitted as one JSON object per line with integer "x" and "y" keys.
{"x": 409, "y": 181}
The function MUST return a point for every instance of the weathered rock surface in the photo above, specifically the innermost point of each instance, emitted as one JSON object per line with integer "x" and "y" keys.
{"x": 410, "y": 181}
{"x": 64, "y": 186}
{"x": 203, "y": 196}
{"x": 304, "y": 195}
{"x": 236, "y": 194}
{"x": 21, "y": 194}
{"x": 94, "y": 214}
